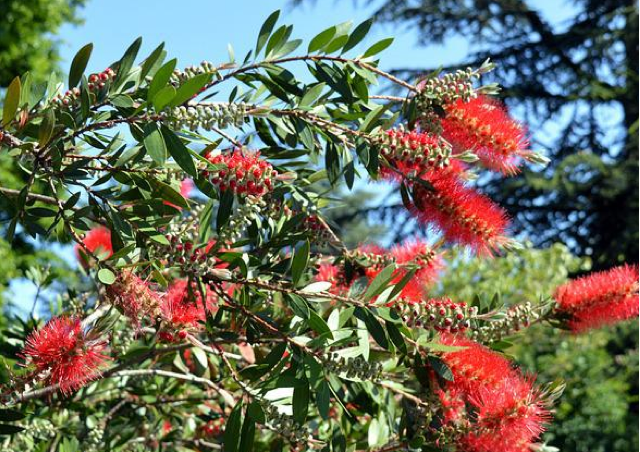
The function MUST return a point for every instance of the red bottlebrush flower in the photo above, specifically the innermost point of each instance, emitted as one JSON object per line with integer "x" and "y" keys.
{"x": 501, "y": 409}
{"x": 186, "y": 187}
{"x": 65, "y": 353}
{"x": 461, "y": 213}
{"x": 243, "y": 172}
{"x": 411, "y": 152}
{"x": 134, "y": 296}
{"x": 599, "y": 299}
{"x": 177, "y": 309}
{"x": 182, "y": 309}
{"x": 98, "y": 241}
{"x": 483, "y": 125}
{"x": 419, "y": 253}
{"x": 335, "y": 275}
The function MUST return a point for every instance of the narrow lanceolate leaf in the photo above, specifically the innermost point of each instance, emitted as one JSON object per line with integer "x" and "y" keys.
{"x": 179, "y": 152}
{"x": 79, "y": 64}
{"x": 46, "y": 127}
{"x": 154, "y": 143}
{"x": 380, "y": 282}
{"x": 126, "y": 62}
{"x": 11, "y": 101}
{"x": 358, "y": 35}
{"x": 190, "y": 88}
{"x": 321, "y": 39}
{"x": 156, "y": 57}
{"x": 301, "y": 403}
{"x": 231, "y": 439}
{"x": 160, "y": 79}
{"x": 440, "y": 368}
{"x": 378, "y": 47}
{"x": 166, "y": 193}
{"x": 299, "y": 262}
{"x": 265, "y": 30}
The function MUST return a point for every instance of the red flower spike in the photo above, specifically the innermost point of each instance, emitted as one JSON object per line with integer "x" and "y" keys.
{"x": 599, "y": 299}
{"x": 134, "y": 297}
{"x": 65, "y": 352}
{"x": 484, "y": 126}
{"x": 509, "y": 412}
{"x": 181, "y": 310}
{"x": 98, "y": 241}
{"x": 245, "y": 172}
{"x": 461, "y": 213}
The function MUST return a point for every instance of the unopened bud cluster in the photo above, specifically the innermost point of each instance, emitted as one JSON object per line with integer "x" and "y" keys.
{"x": 352, "y": 367}
{"x": 180, "y": 76}
{"x": 439, "y": 314}
{"x": 242, "y": 172}
{"x": 96, "y": 84}
{"x": 285, "y": 425}
{"x": 209, "y": 116}
{"x": 516, "y": 318}
{"x": 415, "y": 150}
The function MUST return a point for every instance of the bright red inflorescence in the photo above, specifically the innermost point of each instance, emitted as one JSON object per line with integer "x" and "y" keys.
{"x": 244, "y": 172}
{"x": 98, "y": 241}
{"x": 184, "y": 310}
{"x": 484, "y": 126}
{"x": 411, "y": 152}
{"x": 599, "y": 299}
{"x": 501, "y": 409}
{"x": 65, "y": 354}
{"x": 461, "y": 213}
{"x": 134, "y": 297}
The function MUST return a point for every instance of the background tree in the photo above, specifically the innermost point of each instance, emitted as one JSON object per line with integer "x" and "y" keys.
{"x": 573, "y": 78}
{"x": 28, "y": 43}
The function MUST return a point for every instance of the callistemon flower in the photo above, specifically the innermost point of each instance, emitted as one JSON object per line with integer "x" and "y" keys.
{"x": 242, "y": 172}
{"x": 335, "y": 275}
{"x": 64, "y": 354}
{"x": 98, "y": 241}
{"x": 462, "y": 214}
{"x": 504, "y": 409}
{"x": 484, "y": 126}
{"x": 182, "y": 308}
{"x": 599, "y": 299}
{"x": 133, "y": 296}
{"x": 411, "y": 152}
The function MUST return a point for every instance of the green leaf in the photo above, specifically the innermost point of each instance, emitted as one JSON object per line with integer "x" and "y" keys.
{"x": 155, "y": 57}
{"x": 106, "y": 276}
{"x": 265, "y": 30}
{"x": 11, "y": 101}
{"x": 231, "y": 439}
{"x": 300, "y": 261}
{"x": 164, "y": 97}
{"x": 380, "y": 282}
{"x": 248, "y": 435}
{"x": 79, "y": 64}
{"x": 323, "y": 400}
{"x": 11, "y": 415}
{"x": 372, "y": 117}
{"x": 358, "y": 35}
{"x": 378, "y": 47}
{"x": 126, "y": 62}
{"x": 160, "y": 79}
{"x": 224, "y": 209}
{"x": 155, "y": 143}
{"x": 440, "y": 368}
{"x": 311, "y": 95}
{"x": 301, "y": 403}
{"x": 299, "y": 306}
{"x": 166, "y": 193}
{"x": 321, "y": 39}
{"x": 373, "y": 326}
{"x": 179, "y": 152}
{"x": 190, "y": 88}
{"x": 46, "y": 127}
{"x": 7, "y": 429}
{"x": 319, "y": 325}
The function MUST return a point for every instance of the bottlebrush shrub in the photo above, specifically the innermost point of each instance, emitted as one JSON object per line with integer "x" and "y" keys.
{"x": 234, "y": 316}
